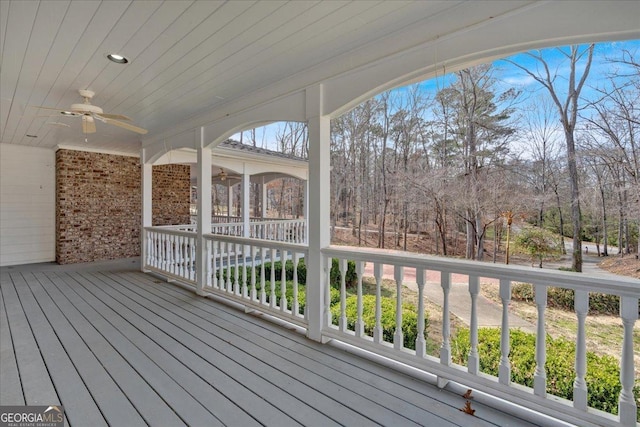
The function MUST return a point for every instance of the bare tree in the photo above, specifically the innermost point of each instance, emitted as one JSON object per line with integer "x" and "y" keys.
{"x": 568, "y": 112}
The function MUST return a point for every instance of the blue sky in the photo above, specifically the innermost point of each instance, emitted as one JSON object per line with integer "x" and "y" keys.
{"x": 512, "y": 76}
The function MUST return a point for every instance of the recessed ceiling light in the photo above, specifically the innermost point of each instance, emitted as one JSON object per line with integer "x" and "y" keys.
{"x": 118, "y": 59}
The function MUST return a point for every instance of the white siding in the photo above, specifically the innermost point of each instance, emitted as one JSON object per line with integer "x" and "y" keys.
{"x": 27, "y": 205}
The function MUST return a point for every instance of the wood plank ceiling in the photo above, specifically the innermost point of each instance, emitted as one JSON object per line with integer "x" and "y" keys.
{"x": 187, "y": 57}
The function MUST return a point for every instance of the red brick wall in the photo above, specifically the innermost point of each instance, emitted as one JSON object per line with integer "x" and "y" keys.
{"x": 171, "y": 194}
{"x": 98, "y": 204}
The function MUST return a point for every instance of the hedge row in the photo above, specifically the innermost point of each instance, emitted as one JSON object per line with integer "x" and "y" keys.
{"x": 603, "y": 372}
{"x": 564, "y": 299}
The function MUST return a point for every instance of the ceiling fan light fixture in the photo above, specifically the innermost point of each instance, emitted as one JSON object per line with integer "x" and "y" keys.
{"x": 118, "y": 59}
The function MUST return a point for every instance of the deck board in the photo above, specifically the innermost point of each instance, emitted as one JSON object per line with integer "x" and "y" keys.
{"x": 68, "y": 383}
{"x": 114, "y": 406}
{"x": 10, "y": 387}
{"x": 138, "y": 351}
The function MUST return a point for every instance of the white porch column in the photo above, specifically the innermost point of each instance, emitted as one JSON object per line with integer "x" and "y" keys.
{"x": 263, "y": 194}
{"x": 305, "y": 207}
{"x": 229, "y": 199}
{"x": 318, "y": 227}
{"x": 147, "y": 205}
{"x": 246, "y": 190}
{"x": 204, "y": 212}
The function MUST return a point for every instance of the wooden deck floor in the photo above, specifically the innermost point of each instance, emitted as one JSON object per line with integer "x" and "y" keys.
{"x": 118, "y": 347}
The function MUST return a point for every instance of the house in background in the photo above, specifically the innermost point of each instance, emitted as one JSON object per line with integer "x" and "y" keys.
{"x": 101, "y": 177}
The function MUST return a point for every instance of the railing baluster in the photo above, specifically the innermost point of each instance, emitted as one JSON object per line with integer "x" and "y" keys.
{"x": 327, "y": 291}
{"x": 473, "y": 362}
{"x": 627, "y": 406}
{"x": 216, "y": 264}
{"x": 245, "y": 288}
{"x": 272, "y": 296}
{"x": 229, "y": 285}
{"x": 540, "y": 374}
{"x": 283, "y": 280}
{"x": 359, "y": 327}
{"x": 254, "y": 252}
{"x": 295, "y": 305}
{"x": 421, "y": 345}
{"x": 377, "y": 329}
{"x": 445, "y": 348}
{"x": 208, "y": 245}
{"x": 504, "y": 371}
{"x": 398, "y": 337}
{"x": 236, "y": 270}
{"x": 581, "y": 304}
{"x": 342, "y": 320}
{"x": 263, "y": 294}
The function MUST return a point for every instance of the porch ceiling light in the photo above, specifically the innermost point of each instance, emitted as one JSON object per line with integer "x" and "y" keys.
{"x": 118, "y": 59}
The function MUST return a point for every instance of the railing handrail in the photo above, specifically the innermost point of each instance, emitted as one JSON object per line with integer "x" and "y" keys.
{"x": 621, "y": 286}
{"x": 172, "y": 230}
{"x": 297, "y": 247}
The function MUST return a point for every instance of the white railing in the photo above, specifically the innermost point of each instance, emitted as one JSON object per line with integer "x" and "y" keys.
{"x": 238, "y": 269}
{"x": 281, "y": 230}
{"x": 171, "y": 251}
{"x": 243, "y": 270}
{"x": 412, "y": 268}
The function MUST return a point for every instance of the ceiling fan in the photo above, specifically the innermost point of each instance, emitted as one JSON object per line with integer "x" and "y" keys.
{"x": 222, "y": 175}
{"x": 90, "y": 113}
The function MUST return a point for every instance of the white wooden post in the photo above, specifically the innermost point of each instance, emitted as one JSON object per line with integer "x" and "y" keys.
{"x": 204, "y": 212}
{"x": 264, "y": 198}
{"x": 474, "y": 359}
{"x": 229, "y": 199}
{"x": 581, "y": 304}
{"x": 540, "y": 374}
{"x": 421, "y": 345}
{"x": 445, "y": 349}
{"x": 319, "y": 237}
{"x": 627, "y": 406}
{"x": 398, "y": 337}
{"x": 147, "y": 205}
{"x": 245, "y": 202}
{"x": 305, "y": 227}
{"x": 504, "y": 370}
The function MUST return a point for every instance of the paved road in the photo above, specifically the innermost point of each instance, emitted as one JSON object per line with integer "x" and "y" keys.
{"x": 489, "y": 312}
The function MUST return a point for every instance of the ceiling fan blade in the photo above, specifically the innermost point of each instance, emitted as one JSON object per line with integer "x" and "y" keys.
{"x": 124, "y": 125}
{"x": 88, "y": 124}
{"x": 59, "y": 110}
{"x": 115, "y": 116}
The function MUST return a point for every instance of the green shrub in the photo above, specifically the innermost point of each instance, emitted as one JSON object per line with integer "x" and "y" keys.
{"x": 387, "y": 319}
{"x": 350, "y": 278}
{"x": 522, "y": 292}
{"x": 603, "y": 372}
{"x": 564, "y": 299}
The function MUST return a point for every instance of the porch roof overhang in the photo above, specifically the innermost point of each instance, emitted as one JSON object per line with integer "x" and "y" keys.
{"x": 210, "y": 69}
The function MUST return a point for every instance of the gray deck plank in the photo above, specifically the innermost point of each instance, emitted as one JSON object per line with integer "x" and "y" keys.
{"x": 70, "y": 387}
{"x": 365, "y": 370}
{"x": 153, "y": 409}
{"x": 179, "y": 400}
{"x": 309, "y": 362}
{"x": 171, "y": 356}
{"x": 237, "y": 364}
{"x": 36, "y": 383}
{"x": 114, "y": 405}
{"x": 134, "y": 328}
{"x": 380, "y": 406}
{"x": 10, "y": 387}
